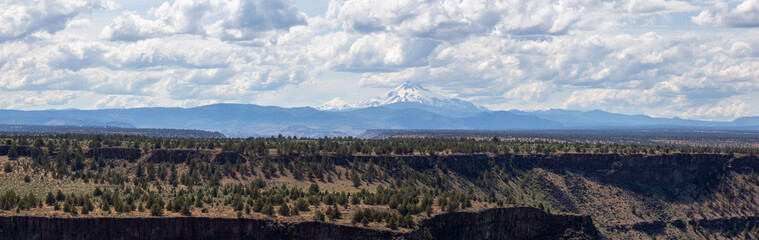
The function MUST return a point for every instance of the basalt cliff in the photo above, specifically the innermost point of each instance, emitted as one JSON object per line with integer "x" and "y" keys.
{"x": 497, "y": 223}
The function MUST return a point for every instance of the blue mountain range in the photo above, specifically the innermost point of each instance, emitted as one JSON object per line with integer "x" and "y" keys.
{"x": 407, "y": 107}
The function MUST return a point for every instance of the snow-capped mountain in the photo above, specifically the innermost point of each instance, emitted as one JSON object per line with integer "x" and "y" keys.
{"x": 336, "y": 104}
{"x": 410, "y": 95}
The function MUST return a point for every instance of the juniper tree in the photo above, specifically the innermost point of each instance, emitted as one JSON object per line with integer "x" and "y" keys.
{"x": 12, "y": 152}
{"x": 319, "y": 216}
{"x": 7, "y": 167}
{"x": 156, "y": 210}
{"x": 49, "y": 199}
{"x": 284, "y": 210}
{"x": 268, "y": 209}
{"x": 301, "y": 205}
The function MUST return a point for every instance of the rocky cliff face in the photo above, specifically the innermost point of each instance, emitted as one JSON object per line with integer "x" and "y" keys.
{"x": 509, "y": 223}
{"x": 663, "y": 169}
{"x": 678, "y": 169}
{"x": 732, "y": 225}
{"x": 649, "y": 169}
{"x": 23, "y": 227}
{"x": 501, "y": 223}
{"x": 231, "y": 157}
{"x": 614, "y": 168}
{"x": 174, "y": 155}
{"x": 115, "y": 153}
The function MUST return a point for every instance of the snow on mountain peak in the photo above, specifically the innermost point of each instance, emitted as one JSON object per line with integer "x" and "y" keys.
{"x": 408, "y": 92}
{"x": 336, "y": 104}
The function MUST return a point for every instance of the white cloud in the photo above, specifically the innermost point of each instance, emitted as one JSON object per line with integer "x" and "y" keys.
{"x": 245, "y": 19}
{"x": 126, "y": 101}
{"x": 239, "y": 20}
{"x": 657, "y": 6}
{"x": 179, "y": 67}
{"x": 745, "y": 14}
{"x": 20, "y": 18}
{"x": 532, "y": 91}
{"x": 726, "y": 109}
{"x": 611, "y": 99}
{"x": 446, "y": 19}
{"x": 380, "y": 52}
{"x": 79, "y": 23}
{"x": 131, "y": 27}
{"x": 35, "y": 100}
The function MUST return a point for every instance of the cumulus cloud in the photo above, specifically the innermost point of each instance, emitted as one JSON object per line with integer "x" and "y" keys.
{"x": 245, "y": 19}
{"x": 532, "y": 91}
{"x": 592, "y": 61}
{"x": 392, "y": 36}
{"x": 726, "y": 109}
{"x": 20, "y": 18}
{"x": 745, "y": 14}
{"x": 35, "y": 100}
{"x": 455, "y": 19}
{"x": 240, "y": 20}
{"x": 79, "y": 23}
{"x": 381, "y": 52}
{"x": 444, "y": 19}
{"x": 657, "y": 6}
{"x": 126, "y": 101}
{"x": 131, "y": 27}
{"x": 500, "y": 53}
{"x": 610, "y": 99}
{"x": 177, "y": 67}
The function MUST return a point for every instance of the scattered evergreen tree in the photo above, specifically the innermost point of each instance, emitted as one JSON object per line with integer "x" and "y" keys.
{"x": 60, "y": 196}
{"x": 319, "y": 216}
{"x": 268, "y": 209}
{"x": 12, "y": 152}
{"x": 391, "y": 223}
{"x": 185, "y": 210}
{"x": 87, "y": 207}
{"x": 284, "y": 210}
{"x": 333, "y": 213}
{"x": 49, "y": 199}
{"x": 156, "y": 209}
{"x": 356, "y": 180}
{"x": 302, "y": 205}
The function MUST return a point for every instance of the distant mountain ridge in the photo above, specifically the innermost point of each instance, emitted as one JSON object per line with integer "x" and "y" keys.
{"x": 598, "y": 118}
{"x": 411, "y": 95}
{"x": 408, "y": 106}
{"x": 243, "y": 120}
{"x": 747, "y": 121}
{"x": 59, "y": 129}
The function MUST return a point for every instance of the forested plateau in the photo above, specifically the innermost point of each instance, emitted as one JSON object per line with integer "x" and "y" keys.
{"x": 88, "y": 186}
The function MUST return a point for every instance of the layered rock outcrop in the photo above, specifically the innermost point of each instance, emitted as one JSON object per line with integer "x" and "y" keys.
{"x": 115, "y": 153}
{"x": 734, "y": 225}
{"x": 509, "y": 223}
{"x": 674, "y": 169}
{"x": 225, "y": 157}
{"x": 174, "y": 155}
{"x": 500, "y": 223}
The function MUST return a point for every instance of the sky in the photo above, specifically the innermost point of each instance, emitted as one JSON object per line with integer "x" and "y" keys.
{"x": 663, "y": 58}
